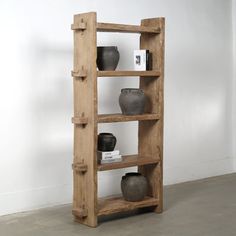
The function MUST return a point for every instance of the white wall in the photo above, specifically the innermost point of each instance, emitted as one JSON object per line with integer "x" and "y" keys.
{"x": 36, "y": 94}
{"x": 234, "y": 82}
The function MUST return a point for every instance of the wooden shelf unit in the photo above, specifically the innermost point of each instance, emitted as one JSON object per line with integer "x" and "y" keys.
{"x": 86, "y": 204}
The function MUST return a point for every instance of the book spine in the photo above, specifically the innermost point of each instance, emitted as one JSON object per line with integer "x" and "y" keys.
{"x": 112, "y": 157}
{"x": 108, "y": 154}
{"x": 148, "y": 60}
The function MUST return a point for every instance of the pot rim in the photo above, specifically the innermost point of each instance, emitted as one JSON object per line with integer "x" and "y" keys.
{"x": 106, "y": 134}
{"x": 133, "y": 174}
{"x": 132, "y": 89}
{"x": 102, "y": 47}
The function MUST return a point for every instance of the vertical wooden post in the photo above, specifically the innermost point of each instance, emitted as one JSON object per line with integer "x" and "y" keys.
{"x": 151, "y": 132}
{"x": 85, "y": 105}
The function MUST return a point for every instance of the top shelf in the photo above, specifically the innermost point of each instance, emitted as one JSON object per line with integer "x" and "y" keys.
{"x": 118, "y": 28}
{"x": 110, "y": 27}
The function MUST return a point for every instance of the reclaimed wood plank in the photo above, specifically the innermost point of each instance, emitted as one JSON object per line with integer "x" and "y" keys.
{"x": 114, "y": 204}
{"x": 85, "y": 107}
{"x": 121, "y": 28}
{"x": 129, "y": 161}
{"x": 108, "y": 118}
{"x": 151, "y": 133}
{"x": 127, "y": 73}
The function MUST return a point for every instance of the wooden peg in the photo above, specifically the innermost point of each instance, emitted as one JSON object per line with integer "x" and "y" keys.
{"x": 80, "y": 167}
{"x": 80, "y": 212}
{"x": 80, "y": 26}
{"x": 82, "y": 73}
{"x": 80, "y": 120}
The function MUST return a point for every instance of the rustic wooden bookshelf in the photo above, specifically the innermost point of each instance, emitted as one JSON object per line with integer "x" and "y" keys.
{"x": 149, "y": 159}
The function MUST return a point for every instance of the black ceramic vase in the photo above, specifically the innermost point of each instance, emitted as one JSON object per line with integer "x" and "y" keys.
{"x": 107, "y": 58}
{"x": 134, "y": 187}
{"x": 132, "y": 101}
{"x": 106, "y": 142}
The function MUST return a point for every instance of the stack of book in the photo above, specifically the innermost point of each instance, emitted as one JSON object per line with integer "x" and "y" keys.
{"x": 109, "y": 157}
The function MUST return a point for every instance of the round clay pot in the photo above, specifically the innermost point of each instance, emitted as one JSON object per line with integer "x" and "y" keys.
{"x": 106, "y": 142}
{"x": 107, "y": 58}
{"x": 134, "y": 187}
{"x": 132, "y": 101}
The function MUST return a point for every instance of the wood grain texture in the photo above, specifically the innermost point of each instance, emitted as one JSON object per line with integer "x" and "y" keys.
{"x": 116, "y": 204}
{"x": 79, "y": 26}
{"x": 110, "y": 27}
{"x": 129, "y": 161}
{"x": 116, "y": 73}
{"x": 82, "y": 73}
{"x": 80, "y": 167}
{"x": 151, "y": 133}
{"x": 80, "y": 213}
{"x": 108, "y": 118}
{"x": 86, "y": 206}
{"x": 85, "y": 105}
{"x": 80, "y": 120}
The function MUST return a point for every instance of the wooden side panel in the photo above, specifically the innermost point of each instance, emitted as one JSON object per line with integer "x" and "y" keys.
{"x": 151, "y": 132}
{"x": 85, "y": 105}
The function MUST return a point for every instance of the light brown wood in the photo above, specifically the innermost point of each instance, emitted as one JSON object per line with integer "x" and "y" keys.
{"x": 116, "y": 73}
{"x": 80, "y": 120}
{"x": 80, "y": 167}
{"x": 81, "y": 73}
{"x": 79, "y": 26}
{"x": 129, "y": 161}
{"x": 80, "y": 213}
{"x": 110, "y": 27}
{"x": 85, "y": 105}
{"x": 114, "y": 204}
{"x": 108, "y": 118}
{"x": 86, "y": 205}
{"x": 151, "y": 133}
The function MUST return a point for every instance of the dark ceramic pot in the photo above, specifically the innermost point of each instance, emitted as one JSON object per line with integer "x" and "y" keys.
{"x": 134, "y": 187}
{"x": 106, "y": 142}
{"x": 107, "y": 58}
{"x": 132, "y": 101}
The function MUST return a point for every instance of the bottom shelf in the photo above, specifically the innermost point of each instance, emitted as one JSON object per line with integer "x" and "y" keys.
{"x": 115, "y": 204}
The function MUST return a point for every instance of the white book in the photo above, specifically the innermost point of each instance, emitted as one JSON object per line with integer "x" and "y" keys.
{"x": 107, "y": 155}
{"x": 117, "y": 159}
{"x": 142, "y": 60}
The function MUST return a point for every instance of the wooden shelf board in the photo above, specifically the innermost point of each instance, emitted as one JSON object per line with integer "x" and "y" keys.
{"x": 109, "y": 118}
{"x": 115, "y": 204}
{"x": 128, "y": 161}
{"x": 116, "y": 73}
{"x": 120, "y": 28}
